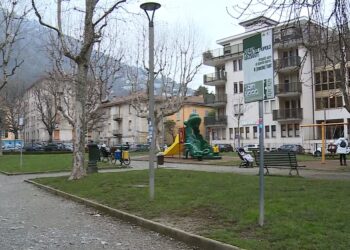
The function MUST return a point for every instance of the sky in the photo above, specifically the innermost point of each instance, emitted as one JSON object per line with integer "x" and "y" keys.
{"x": 209, "y": 16}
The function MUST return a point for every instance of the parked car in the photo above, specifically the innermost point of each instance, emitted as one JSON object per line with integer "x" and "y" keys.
{"x": 33, "y": 147}
{"x": 318, "y": 151}
{"x": 68, "y": 146}
{"x": 225, "y": 148}
{"x": 298, "y": 149}
{"x": 250, "y": 147}
{"x": 141, "y": 147}
{"x": 51, "y": 147}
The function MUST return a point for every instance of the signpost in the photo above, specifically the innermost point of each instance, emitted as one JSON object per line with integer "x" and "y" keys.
{"x": 258, "y": 86}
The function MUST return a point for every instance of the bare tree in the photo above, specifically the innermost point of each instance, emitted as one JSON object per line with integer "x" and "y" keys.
{"x": 239, "y": 108}
{"x": 46, "y": 104}
{"x": 13, "y": 106}
{"x": 325, "y": 32}
{"x": 12, "y": 18}
{"x": 176, "y": 64}
{"x": 94, "y": 18}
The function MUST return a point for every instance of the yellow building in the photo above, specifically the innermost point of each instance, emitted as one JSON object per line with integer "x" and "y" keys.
{"x": 192, "y": 104}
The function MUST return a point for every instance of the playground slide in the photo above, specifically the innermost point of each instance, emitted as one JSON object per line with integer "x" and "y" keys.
{"x": 175, "y": 148}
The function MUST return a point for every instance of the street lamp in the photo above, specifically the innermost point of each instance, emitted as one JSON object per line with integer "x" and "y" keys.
{"x": 150, "y": 8}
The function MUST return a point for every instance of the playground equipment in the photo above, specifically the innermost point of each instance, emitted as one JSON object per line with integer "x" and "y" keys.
{"x": 193, "y": 143}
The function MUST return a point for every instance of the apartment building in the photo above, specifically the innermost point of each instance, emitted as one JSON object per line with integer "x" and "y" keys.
{"x": 306, "y": 92}
{"x": 34, "y": 129}
{"x": 122, "y": 124}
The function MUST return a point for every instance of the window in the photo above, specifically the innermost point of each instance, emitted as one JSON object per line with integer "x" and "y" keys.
{"x": 273, "y": 104}
{"x": 318, "y": 103}
{"x": 267, "y": 107}
{"x": 332, "y": 102}
{"x": 231, "y": 133}
{"x": 239, "y": 64}
{"x": 241, "y": 87}
{"x": 331, "y": 76}
{"x": 129, "y": 108}
{"x": 235, "y": 87}
{"x": 317, "y": 78}
{"x": 255, "y": 132}
{"x": 223, "y": 131}
{"x": 130, "y": 125}
{"x": 339, "y": 101}
{"x": 283, "y": 130}
{"x": 267, "y": 131}
{"x": 324, "y": 76}
{"x": 241, "y": 132}
{"x": 234, "y": 65}
{"x": 290, "y": 130}
{"x": 236, "y": 133}
{"x": 296, "y": 130}
{"x": 194, "y": 111}
{"x": 247, "y": 133}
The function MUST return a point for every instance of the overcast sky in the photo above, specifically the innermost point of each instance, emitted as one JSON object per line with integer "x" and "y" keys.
{"x": 210, "y": 16}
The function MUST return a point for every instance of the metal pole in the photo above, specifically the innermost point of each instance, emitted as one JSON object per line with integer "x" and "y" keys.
{"x": 151, "y": 109}
{"x": 323, "y": 143}
{"x": 163, "y": 133}
{"x": 261, "y": 163}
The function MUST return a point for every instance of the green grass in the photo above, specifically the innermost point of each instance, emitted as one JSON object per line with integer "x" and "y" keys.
{"x": 299, "y": 213}
{"x": 40, "y": 163}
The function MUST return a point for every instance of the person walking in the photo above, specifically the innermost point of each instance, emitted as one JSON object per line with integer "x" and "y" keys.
{"x": 342, "y": 144}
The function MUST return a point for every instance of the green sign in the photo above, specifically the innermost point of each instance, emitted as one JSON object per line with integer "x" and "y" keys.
{"x": 258, "y": 67}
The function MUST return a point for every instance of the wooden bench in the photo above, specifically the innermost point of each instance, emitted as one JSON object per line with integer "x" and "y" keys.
{"x": 278, "y": 160}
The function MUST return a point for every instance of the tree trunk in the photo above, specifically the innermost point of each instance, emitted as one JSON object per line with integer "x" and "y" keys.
{"x": 78, "y": 170}
{"x": 50, "y": 137}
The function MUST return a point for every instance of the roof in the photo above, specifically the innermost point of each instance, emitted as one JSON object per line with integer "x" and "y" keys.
{"x": 259, "y": 19}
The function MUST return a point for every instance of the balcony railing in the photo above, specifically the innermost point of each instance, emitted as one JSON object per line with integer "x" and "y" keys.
{"x": 215, "y": 121}
{"x": 291, "y": 61}
{"x": 223, "y": 52}
{"x": 287, "y": 114}
{"x": 286, "y": 88}
{"x": 116, "y": 132}
{"x": 117, "y": 117}
{"x": 282, "y": 38}
{"x": 217, "y": 76}
{"x": 217, "y": 99}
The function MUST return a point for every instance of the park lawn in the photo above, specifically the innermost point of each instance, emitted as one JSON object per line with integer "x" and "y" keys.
{"x": 299, "y": 213}
{"x": 40, "y": 163}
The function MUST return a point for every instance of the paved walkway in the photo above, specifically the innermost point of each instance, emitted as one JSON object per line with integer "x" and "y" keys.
{"x": 33, "y": 219}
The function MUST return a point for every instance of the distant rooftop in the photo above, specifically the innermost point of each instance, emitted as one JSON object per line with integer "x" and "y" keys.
{"x": 258, "y": 21}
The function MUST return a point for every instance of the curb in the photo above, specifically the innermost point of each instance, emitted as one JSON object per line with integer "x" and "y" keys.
{"x": 28, "y": 173}
{"x": 188, "y": 238}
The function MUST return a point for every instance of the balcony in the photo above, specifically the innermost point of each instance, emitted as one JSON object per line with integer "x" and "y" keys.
{"x": 117, "y": 117}
{"x": 219, "y": 56}
{"x": 287, "y": 114}
{"x": 218, "y": 100}
{"x": 287, "y": 40}
{"x": 288, "y": 89}
{"x": 117, "y": 132}
{"x": 213, "y": 121}
{"x": 215, "y": 79}
{"x": 286, "y": 64}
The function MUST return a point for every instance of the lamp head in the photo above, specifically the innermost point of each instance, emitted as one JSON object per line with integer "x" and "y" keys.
{"x": 150, "y": 6}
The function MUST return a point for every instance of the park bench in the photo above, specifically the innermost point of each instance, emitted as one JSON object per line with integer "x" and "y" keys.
{"x": 278, "y": 160}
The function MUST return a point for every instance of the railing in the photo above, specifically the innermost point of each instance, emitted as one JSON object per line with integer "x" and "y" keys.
{"x": 287, "y": 114}
{"x": 117, "y": 117}
{"x": 117, "y": 132}
{"x": 291, "y": 61}
{"x": 284, "y": 88}
{"x": 226, "y": 51}
{"x": 212, "y": 120}
{"x": 217, "y": 76}
{"x": 280, "y": 38}
{"x": 222, "y": 98}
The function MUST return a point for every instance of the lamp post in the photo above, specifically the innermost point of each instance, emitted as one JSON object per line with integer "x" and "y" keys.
{"x": 150, "y": 8}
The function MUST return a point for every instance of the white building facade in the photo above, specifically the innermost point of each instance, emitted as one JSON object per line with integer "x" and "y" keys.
{"x": 305, "y": 92}
{"x": 122, "y": 125}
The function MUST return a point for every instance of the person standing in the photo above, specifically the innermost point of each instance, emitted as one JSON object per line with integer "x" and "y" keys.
{"x": 342, "y": 145}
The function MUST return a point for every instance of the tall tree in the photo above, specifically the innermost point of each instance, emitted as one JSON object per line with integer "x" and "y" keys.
{"x": 176, "y": 65}
{"x": 12, "y": 18}
{"x": 13, "y": 106}
{"x": 46, "y": 104}
{"x": 94, "y": 19}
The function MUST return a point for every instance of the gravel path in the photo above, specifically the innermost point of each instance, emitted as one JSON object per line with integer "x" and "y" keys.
{"x": 33, "y": 219}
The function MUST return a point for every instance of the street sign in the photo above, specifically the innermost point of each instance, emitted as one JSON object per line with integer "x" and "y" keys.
{"x": 258, "y": 67}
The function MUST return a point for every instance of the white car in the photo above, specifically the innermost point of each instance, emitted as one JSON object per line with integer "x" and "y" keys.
{"x": 250, "y": 147}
